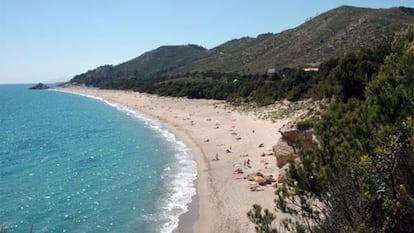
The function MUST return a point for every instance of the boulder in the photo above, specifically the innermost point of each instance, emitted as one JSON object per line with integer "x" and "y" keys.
{"x": 293, "y": 135}
{"x": 283, "y": 151}
{"x": 290, "y": 132}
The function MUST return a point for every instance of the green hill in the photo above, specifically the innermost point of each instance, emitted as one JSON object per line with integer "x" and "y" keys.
{"x": 150, "y": 64}
{"x": 338, "y": 31}
{"x": 327, "y": 35}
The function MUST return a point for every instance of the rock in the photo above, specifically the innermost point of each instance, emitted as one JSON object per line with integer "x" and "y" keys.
{"x": 283, "y": 151}
{"x": 282, "y": 176}
{"x": 290, "y": 132}
{"x": 39, "y": 86}
{"x": 293, "y": 135}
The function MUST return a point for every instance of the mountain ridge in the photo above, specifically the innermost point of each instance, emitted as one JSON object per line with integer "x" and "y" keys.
{"x": 329, "y": 34}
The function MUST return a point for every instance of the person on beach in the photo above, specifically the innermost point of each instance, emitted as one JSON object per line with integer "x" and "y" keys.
{"x": 248, "y": 163}
{"x": 217, "y": 158}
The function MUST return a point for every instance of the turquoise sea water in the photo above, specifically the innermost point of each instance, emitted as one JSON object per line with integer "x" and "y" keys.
{"x": 74, "y": 164}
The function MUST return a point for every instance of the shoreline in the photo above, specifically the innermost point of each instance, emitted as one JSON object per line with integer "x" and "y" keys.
{"x": 209, "y": 130}
{"x": 187, "y": 220}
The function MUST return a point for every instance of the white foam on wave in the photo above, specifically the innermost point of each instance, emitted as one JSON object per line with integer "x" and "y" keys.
{"x": 181, "y": 174}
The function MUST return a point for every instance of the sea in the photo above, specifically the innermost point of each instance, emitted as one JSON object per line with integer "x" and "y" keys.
{"x": 72, "y": 163}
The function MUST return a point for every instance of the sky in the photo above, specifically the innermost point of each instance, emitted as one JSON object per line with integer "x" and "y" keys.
{"x": 53, "y": 40}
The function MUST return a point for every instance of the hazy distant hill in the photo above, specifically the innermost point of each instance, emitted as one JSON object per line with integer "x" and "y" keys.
{"x": 329, "y": 34}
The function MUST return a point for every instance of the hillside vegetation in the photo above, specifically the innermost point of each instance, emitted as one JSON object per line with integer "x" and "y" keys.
{"x": 150, "y": 64}
{"x": 341, "y": 30}
{"x": 330, "y": 34}
{"x": 360, "y": 178}
{"x": 343, "y": 78}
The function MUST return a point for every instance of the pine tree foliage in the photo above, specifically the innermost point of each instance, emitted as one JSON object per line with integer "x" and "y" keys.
{"x": 361, "y": 177}
{"x": 263, "y": 221}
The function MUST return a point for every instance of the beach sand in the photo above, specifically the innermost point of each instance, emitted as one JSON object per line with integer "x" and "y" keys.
{"x": 210, "y": 128}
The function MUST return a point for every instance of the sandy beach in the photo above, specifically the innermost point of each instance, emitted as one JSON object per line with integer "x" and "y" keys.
{"x": 212, "y": 130}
